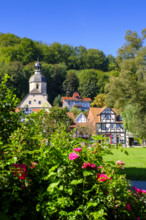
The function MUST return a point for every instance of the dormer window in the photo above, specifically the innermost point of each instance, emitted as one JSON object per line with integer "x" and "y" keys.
{"x": 37, "y": 86}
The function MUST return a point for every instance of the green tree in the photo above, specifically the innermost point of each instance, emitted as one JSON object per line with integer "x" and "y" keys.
{"x": 58, "y": 116}
{"x": 99, "y": 101}
{"x": 128, "y": 91}
{"x": 9, "y": 119}
{"x": 88, "y": 83}
{"x": 76, "y": 111}
{"x": 71, "y": 83}
{"x": 135, "y": 119}
{"x": 131, "y": 46}
{"x": 95, "y": 59}
{"x": 112, "y": 64}
{"x": 57, "y": 101}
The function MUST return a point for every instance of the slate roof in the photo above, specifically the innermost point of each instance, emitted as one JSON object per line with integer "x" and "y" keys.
{"x": 37, "y": 78}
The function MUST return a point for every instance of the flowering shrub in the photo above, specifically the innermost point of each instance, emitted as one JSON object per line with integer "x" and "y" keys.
{"x": 139, "y": 190}
{"x": 21, "y": 172}
{"x": 60, "y": 184}
{"x": 77, "y": 149}
{"x": 120, "y": 164}
{"x": 88, "y": 165}
{"x": 73, "y": 156}
{"x": 102, "y": 177}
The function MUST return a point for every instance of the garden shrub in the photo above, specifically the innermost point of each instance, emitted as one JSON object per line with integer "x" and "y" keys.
{"x": 60, "y": 177}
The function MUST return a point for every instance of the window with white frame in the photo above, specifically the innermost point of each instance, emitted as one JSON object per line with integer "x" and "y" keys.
{"x": 108, "y": 117}
{"x": 103, "y": 126}
{"x": 102, "y": 116}
{"x": 117, "y": 126}
{"x": 112, "y": 126}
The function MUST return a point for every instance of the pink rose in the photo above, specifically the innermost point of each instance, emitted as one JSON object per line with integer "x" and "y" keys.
{"x": 93, "y": 165}
{"x": 88, "y": 165}
{"x": 139, "y": 190}
{"x": 138, "y": 218}
{"x": 120, "y": 162}
{"x": 100, "y": 167}
{"x": 33, "y": 165}
{"x": 102, "y": 177}
{"x": 77, "y": 149}
{"x": 73, "y": 156}
{"x": 128, "y": 207}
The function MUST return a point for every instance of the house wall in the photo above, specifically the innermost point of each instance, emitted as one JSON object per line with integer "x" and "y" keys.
{"x": 35, "y": 101}
{"x": 83, "y": 105}
{"x": 91, "y": 122}
{"x": 40, "y": 86}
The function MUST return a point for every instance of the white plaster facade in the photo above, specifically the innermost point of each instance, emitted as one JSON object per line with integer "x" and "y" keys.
{"x": 81, "y": 118}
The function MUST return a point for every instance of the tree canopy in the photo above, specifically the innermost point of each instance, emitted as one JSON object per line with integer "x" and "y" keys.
{"x": 128, "y": 90}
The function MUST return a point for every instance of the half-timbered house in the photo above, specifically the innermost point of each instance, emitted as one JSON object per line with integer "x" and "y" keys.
{"x": 108, "y": 122}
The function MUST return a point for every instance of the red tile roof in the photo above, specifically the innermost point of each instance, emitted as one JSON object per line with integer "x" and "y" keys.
{"x": 71, "y": 115}
{"x": 33, "y": 109}
{"x": 76, "y": 96}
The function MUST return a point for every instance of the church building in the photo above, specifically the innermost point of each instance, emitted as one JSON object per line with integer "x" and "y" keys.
{"x": 36, "y": 99}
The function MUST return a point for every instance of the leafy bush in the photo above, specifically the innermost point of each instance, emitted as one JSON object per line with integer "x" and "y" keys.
{"x": 59, "y": 177}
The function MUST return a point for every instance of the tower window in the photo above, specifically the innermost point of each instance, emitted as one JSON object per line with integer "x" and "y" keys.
{"x": 39, "y": 102}
{"x": 29, "y": 102}
{"x": 34, "y": 100}
{"x": 37, "y": 86}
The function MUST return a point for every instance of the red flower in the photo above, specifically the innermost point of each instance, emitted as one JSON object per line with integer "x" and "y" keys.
{"x": 88, "y": 165}
{"x": 78, "y": 149}
{"x": 128, "y": 207}
{"x": 21, "y": 172}
{"x": 102, "y": 177}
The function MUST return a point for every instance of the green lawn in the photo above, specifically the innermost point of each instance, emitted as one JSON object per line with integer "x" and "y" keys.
{"x": 134, "y": 159}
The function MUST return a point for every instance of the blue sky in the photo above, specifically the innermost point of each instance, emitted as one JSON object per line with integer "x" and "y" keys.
{"x": 99, "y": 24}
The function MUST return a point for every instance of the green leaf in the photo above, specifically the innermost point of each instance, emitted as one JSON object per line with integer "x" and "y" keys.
{"x": 94, "y": 204}
{"x": 52, "y": 186}
{"x": 75, "y": 182}
{"x": 87, "y": 172}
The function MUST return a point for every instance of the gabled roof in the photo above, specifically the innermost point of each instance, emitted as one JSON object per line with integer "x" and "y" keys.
{"x": 76, "y": 97}
{"x": 71, "y": 115}
{"x": 81, "y": 114}
{"x": 71, "y": 98}
{"x": 97, "y": 111}
{"x": 34, "y": 91}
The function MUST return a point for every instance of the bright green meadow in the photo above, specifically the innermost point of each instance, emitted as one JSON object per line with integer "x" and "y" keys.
{"x": 134, "y": 159}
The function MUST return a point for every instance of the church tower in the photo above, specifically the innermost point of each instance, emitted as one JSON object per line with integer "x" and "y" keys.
{"x": 38, "y": 82}
{"x": 36, "y": 99}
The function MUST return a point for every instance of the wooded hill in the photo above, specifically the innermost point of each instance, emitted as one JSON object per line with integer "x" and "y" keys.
{"x": 65, "y": 67}
{"x": 88, "y": 71}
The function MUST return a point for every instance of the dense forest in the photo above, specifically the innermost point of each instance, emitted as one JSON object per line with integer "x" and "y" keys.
{"x": 118, "y": 81}
{"x": 65, "y": 67}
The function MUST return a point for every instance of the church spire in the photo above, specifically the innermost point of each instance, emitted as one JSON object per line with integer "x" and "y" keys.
{"x": 37, "y": 67}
